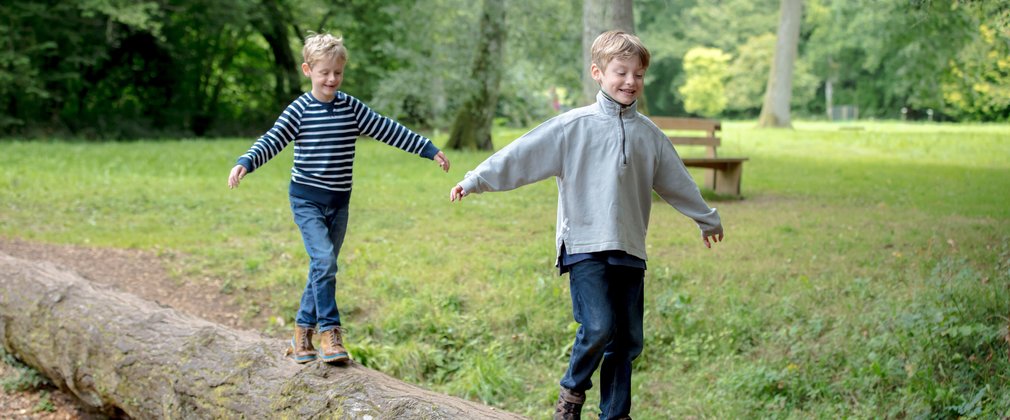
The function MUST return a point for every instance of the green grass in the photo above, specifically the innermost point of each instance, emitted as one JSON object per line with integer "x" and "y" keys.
{"x": 866, "y": 274}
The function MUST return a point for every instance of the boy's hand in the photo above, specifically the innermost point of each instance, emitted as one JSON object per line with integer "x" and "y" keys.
{"x": 442, "y": 161}
{"x": 236, "y": 175}
{"x": 457, "y": 193}
{"x": 715, "y": 238}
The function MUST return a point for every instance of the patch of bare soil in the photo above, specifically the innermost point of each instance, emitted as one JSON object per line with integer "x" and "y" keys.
{"x": 47, "y": 403}
{"x": 138, "y": 272}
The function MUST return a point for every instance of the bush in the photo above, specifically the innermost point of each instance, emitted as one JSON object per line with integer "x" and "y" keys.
{"x": 25, "y": 378}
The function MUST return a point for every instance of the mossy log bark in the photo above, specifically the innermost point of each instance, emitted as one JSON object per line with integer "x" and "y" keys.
{"x": 120, "y": 354}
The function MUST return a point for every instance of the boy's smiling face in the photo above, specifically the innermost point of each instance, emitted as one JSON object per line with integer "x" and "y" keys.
{"x": 326, "y": 76}
{"x": 623, "y": 79}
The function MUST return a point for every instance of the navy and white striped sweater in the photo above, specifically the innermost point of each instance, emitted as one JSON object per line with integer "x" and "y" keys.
{"x": 324, "y": 135}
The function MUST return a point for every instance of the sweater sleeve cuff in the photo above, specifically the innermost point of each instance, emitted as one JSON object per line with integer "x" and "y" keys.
{"x": 710, "y": 224}
{"x": 246, "y": 162}
{"x": 429, "y": 151}
{"x": 711, "y": 231}
{"x": 469, "y": 185}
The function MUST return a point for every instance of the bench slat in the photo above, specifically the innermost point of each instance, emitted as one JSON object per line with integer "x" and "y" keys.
{"x": 715, "y": 163}
{"x": 673, "y": 123}
{"x": 695, "y": 141}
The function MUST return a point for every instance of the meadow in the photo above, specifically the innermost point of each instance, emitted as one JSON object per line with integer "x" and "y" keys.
{"x": 866, "y": 272}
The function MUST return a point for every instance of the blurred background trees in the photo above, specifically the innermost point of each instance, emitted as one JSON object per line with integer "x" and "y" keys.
{"x": 130, "y": 69}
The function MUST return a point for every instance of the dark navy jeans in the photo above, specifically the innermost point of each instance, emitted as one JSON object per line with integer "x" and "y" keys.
{"x": 323, "y": 231}
{"x": 607, "y": 301}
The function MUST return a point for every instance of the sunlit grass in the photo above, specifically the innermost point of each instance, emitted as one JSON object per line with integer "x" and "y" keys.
{"x": 865, "y": 273}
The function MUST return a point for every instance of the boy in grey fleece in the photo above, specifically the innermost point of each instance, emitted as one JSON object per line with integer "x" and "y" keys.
{"x": 607, "y": 159}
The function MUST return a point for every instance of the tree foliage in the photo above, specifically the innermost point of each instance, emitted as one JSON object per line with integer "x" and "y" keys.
{"x": 886, "y": 55}
{"x": 704, "y": 91}
{"x": 978, "y": 84}
{"x": 129, "y": 69}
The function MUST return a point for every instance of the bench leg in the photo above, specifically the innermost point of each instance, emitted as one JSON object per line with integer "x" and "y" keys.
{"x": 711, "y": 180}
{"x": 727, "y": 179}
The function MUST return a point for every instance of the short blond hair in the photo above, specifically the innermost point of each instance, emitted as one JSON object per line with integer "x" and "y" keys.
{"x": 323, "y": 46}
{"x": 618, "y": 44}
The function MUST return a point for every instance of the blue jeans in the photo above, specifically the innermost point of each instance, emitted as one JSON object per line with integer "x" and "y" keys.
{"x": 323, "y": 231}
{"x": 607, "y": 301}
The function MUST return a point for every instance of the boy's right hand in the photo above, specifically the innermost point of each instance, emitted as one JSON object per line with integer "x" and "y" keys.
{"x": 457, "y": 193}
{"x": 236, "y": 175}
{"x": 708, "y": 240}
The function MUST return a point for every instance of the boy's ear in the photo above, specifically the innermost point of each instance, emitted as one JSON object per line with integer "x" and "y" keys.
{"x": 596, "y": 73}
{"x": 306, "y": 70}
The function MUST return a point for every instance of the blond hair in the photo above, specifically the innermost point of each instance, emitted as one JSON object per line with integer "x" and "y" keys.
{"x": 618, "y": 44}
{"x": 323, "y": 46}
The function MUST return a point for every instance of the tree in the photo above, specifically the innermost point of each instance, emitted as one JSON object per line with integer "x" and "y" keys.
{"x": 273, "y": 20}
{"x": 977, "y": 84}
{"x": 891, "y": 54}
{"x": 472, "y": 126}
{"x": 778, "y": 94}
{"x": 548, "y": 58}
{"x": 704, "y": 92}
{"x": 599, "y": 16}
{"x": 748, "y": 78}
{"x": 672, "y": 27}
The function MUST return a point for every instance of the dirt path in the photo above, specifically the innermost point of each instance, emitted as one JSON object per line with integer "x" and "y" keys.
{"x": 138, "y": 272}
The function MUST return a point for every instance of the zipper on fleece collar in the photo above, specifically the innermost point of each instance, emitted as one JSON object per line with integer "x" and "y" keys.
{"x": 611, "y": 102}
{"x": 621, "y": 111}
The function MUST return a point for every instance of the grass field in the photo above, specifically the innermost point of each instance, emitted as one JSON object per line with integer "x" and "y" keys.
{"x": 865, "y": 274}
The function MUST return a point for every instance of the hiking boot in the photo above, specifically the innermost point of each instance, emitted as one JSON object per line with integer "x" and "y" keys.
{"x": 569, "y": 406}
{"x": 301, "y": 349}
{"x": 331, "y": 346}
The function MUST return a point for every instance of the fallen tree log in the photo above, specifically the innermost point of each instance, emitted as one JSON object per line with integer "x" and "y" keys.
{"x": 120, "y": 354}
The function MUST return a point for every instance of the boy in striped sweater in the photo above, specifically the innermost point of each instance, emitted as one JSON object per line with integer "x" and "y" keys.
{"x": 323, "y": 125}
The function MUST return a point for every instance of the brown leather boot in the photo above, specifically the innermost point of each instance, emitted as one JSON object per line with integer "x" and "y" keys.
{"x": 301, "y": 349}
{"x": 331, "y": 344}
{"x": 569, "y": 405}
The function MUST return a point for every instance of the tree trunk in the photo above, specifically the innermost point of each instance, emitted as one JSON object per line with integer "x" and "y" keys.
{"x": 599, "y": 16}
{"x": 472, "y": 126}
{"x": 120, "y": 354}
{"x": 779, "y": 92}
{"x": 272, "y": 23}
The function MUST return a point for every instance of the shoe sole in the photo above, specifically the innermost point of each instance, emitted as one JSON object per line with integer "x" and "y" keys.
{"x": 337, "y": 358}
{"x": 298, "y": 359}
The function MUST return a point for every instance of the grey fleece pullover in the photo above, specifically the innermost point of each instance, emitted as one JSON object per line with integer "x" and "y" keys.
{"x": 607, "y": 159}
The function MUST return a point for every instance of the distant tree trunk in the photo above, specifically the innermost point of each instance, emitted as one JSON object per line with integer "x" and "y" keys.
{"x": 472, "y": 126}
{"x": 622, "y": 15}
{"x": 599, "y": 16}
{"x": 122, "y": 355}
{"x": 223, "y": 49}
{"x": 273, "y": 23}
{"x": 778, "y": 94}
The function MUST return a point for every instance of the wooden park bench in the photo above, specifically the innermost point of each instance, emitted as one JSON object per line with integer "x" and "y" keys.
{"x": 723, "y": 174}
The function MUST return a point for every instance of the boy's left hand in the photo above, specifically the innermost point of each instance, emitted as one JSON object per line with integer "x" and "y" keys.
{"x": 442, "y": 161}
{"x": 714, "y": 238}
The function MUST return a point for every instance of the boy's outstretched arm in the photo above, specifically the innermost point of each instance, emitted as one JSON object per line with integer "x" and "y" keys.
{"x": 532, "y": 157}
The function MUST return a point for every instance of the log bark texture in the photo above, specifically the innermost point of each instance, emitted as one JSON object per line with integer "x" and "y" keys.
{"x": 120, "y": 354}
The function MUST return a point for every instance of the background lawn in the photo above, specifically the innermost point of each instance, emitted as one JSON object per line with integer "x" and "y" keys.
{"x": 865, "y": 274}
